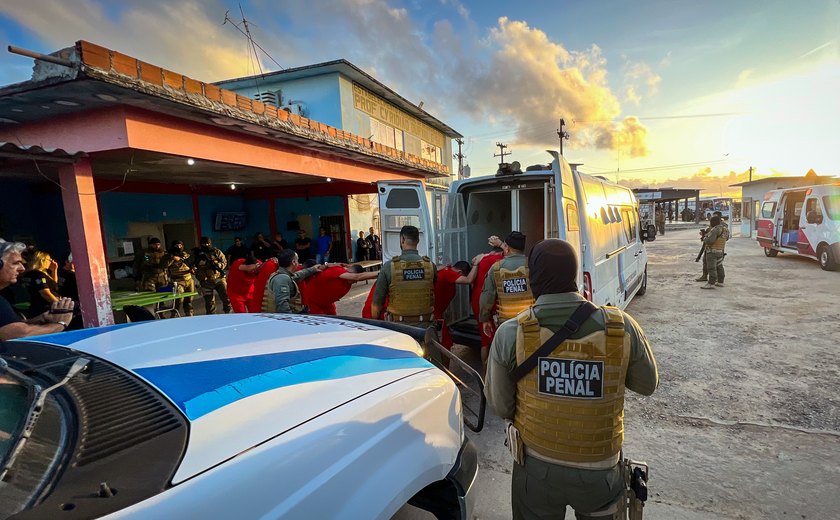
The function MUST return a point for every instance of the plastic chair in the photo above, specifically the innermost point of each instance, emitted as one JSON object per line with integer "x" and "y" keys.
{"x": 136, "y": 313}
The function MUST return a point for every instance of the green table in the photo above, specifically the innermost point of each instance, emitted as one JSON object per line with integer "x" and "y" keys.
{"x": 142, "y": 299}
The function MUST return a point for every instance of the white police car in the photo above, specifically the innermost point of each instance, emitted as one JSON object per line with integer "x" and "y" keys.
{"x": 230, "y": 416}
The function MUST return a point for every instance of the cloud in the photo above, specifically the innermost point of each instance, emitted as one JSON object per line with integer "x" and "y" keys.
{"x": 637, "y": 77}
{"x": 533, "y": 82}
{"x": 743, "y": 77}
{"x": 185, "y": 36}
{"x": 666, "y": 61}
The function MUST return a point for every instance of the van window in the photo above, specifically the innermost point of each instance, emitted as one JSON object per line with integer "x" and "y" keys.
{"x": 398, "y": 221}
{"x": 812, "y": 205}
{"x": 768, "y": 209}
{"x": 832, "y": 206}
{"x": 629, "y": 218}
{"x": 572, "y": 223}
{"x": 402, "y": 198}
{"x": 797, "y": 208}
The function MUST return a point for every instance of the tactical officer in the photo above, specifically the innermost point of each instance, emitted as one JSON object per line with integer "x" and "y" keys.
{"x": 152, "y": 266}
{"x": 408, "y": 283}
{"x": 209, "y": 267}
{"x": 180, "y": 272}
{"x": 564, "y": 400}
{"x": 705, "y": 276}
{"x": 715, "y": 241}
{"x": 282, "y": 293}
{"x": 660, "y": 220}
{"x": 506, "y": 285}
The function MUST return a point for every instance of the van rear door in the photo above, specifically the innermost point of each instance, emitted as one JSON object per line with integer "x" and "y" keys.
{"x": 403, "y": 203}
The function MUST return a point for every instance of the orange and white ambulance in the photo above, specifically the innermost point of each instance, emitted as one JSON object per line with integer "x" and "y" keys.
{"x": 802, "y": 221}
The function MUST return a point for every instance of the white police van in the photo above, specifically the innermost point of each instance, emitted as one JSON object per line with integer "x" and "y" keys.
{"x": 598, "y": 217}
{"x": 231, "y": 416}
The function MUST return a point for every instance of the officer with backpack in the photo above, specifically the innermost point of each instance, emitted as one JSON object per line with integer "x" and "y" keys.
{"x": 557, "y": 373}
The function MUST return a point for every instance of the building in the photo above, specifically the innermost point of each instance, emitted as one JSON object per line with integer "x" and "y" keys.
{"x": 752, "y": 193}
{"x": 150, "y": 152}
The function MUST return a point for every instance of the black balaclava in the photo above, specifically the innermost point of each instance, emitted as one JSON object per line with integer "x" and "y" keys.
{"x": 553, "y": 268}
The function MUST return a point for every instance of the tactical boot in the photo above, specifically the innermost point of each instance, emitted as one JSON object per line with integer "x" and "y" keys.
{"x": 708, "y": 286}
{"x": 701, "y": 279}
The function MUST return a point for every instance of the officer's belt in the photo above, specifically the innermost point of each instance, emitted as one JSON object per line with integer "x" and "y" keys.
{"x": 393, "y": 317}
{"x": 182, "y": 278}
{"x": 714, "y": 250}
{"x": 601, "y": 464}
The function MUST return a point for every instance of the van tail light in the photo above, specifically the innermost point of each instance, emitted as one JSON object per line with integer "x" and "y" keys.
{"x": 587, "y": 286}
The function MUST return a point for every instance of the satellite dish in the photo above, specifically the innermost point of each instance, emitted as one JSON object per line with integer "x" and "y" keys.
{"x": 515, "y": 166}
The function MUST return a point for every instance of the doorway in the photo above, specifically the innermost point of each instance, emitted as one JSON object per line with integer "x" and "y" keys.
{"x": 335, "y": 228}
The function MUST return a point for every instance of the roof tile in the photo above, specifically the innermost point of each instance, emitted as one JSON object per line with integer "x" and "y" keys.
{"x": 125, "y": 65}
{"x": 151, "y": 73}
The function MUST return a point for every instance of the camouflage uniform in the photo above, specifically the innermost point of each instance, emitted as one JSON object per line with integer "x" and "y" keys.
{"x": 705, "y": 276}
{"x": 715, "y": 241}
{"x": 180, "y": 272}
{"x": 210, "y": 266}
{"x": 152, "y": 267}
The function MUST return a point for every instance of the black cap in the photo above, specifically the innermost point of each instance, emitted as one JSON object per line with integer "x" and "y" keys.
{"x": 516, "y": 240}
{"x": 154, "y": 240}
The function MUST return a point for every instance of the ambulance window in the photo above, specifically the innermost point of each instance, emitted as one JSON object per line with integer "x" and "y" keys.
{"x": 797, "y": 208}
{"x": 572, "y": 223}
{"x": 768, "y": 209}
{"x": 832, "y": 206}
{"x": 402, "y": 198}
{"x": 811, "y": 205}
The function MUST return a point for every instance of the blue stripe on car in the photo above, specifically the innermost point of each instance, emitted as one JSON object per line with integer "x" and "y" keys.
{"x": 201, "y": 387}
{"x": 66, "y": 339}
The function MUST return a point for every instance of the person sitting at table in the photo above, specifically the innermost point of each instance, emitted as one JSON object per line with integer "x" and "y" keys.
{"x": 41, "y": 281}
{"x": 12, "y": 326}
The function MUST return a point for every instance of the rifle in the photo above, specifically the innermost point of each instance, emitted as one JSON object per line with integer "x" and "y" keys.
{"x": 635, "y": 478}
{"x": 703, "y": 247}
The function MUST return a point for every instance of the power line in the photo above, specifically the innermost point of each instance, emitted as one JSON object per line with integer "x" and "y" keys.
{"x": 257, "y": 45}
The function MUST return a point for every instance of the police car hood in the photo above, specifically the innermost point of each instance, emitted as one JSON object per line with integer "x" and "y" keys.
{"x": 241, "y": 379}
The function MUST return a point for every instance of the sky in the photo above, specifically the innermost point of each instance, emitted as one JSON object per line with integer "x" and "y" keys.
{"x": 653, "y": 93}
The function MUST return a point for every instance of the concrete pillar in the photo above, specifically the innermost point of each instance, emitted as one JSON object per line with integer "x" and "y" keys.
{"x": 677, "y": 210}
{"x": 82, "y": 214}
{"x": 697, "y": 208}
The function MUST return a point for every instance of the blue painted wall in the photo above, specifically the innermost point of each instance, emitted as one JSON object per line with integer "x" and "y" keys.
{"x": 319, "y": 93}
{"x": 116, "y": 210}
{"x": 34, "y": 211}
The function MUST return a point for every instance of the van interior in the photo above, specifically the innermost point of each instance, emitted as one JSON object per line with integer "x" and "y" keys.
{"x": 792, "y": 210}
{"x": 495, "y": 208}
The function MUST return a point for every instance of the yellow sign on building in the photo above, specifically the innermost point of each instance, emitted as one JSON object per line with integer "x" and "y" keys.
{"x": 380, "y": 109}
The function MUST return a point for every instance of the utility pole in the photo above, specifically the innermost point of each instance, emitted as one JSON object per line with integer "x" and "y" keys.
{"x": 751, "y": 168}
{"x": 562, "y": 134}
{"x": 460, "y": 158}
{"x": 502, "y": 152}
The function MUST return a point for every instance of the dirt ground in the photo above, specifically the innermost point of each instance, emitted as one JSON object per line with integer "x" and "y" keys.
{"x": 746, "y": 420}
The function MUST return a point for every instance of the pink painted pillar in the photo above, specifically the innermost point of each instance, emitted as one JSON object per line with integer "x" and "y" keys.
{"x": 82, "y": 214}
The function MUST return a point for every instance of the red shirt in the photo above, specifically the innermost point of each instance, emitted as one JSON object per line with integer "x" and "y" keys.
{"x": 366, "y": 309}
{"x": 269, "y": 267}
{"x": 445, "y": 288}
{"x": 484, "y": 267}
{"x": 241, "y": 283}
{"x": 326, "y": 288}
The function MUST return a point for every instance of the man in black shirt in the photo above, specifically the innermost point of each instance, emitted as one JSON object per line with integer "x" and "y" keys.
{"x": 67, "y": 285}
{"x": 375, "y": 245}
{"x": 279, "y": 244}
{"x": 12, "y": 326}
{"x": 261, "y": 248}
{"x": 236, "y": 251}
{"x": 303, "y": 247}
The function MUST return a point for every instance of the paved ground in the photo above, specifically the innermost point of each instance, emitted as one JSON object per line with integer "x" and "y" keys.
{"x": 746, "y": 422}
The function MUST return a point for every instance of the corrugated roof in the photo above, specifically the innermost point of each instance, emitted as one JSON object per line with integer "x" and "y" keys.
{"x": 26, "y": 152}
